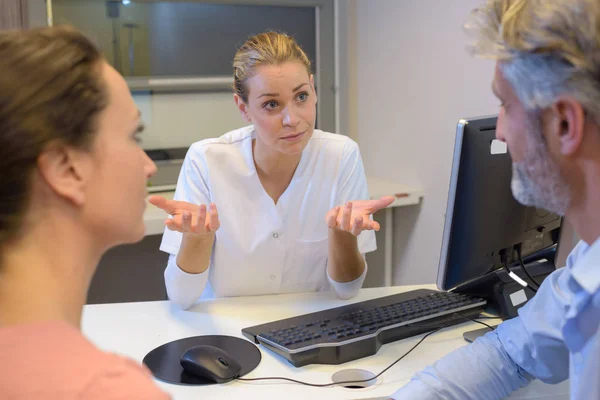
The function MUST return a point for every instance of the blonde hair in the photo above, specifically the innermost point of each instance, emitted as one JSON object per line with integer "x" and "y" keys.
{"x": 547, "y": 48}
{"x": 268, "y": 48}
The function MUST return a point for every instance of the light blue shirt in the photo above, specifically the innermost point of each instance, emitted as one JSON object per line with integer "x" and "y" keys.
{"x": 555, "y": 337}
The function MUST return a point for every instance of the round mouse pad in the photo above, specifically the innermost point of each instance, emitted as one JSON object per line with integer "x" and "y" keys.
{"x": 164, "y": 364}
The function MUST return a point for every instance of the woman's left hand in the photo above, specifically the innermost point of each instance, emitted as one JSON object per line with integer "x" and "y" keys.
{"x": 354, "y": 216}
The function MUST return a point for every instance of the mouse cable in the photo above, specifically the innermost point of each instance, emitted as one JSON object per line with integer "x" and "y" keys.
{"x": 438, "y": 328}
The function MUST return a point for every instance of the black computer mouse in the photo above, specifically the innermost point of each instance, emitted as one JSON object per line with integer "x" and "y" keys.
{"x": 210, "y": 362}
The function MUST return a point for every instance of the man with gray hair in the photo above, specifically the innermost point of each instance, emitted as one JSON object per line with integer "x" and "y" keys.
{"x": 548, "y": 80}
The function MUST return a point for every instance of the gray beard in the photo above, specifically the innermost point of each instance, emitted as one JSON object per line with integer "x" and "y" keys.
{"x": 522, "y": 187}
{"x": 537, "y": 181}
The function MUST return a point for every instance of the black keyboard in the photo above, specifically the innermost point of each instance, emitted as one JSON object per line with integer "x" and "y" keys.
{"x": 343, "y": 334}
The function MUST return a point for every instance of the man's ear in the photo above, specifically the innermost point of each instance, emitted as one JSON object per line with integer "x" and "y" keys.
{"x": 312, "y": 85}
{"x": 242, "y": 106}
{"x": 66, "y": 171}
{"x": 567, "y": 125}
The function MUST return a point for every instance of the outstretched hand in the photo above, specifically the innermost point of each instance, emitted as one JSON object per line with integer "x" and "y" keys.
{"x": 354, "y": 216}
{"x": 188, "y": 218}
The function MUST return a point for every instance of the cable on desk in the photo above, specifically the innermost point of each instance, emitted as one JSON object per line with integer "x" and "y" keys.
{"x": 439, "y": 328}
{"x": 461, "y": 316}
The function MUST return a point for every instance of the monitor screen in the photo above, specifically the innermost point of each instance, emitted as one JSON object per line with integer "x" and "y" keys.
{"x": 482, "y": 216}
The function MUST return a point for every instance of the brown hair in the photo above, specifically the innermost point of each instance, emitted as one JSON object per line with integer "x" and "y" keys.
{"x": 50, "y": 90}
{"x": 268, "y": 48}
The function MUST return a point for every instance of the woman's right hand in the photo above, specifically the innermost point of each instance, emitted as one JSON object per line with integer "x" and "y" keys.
{"x": 188, "y": 218}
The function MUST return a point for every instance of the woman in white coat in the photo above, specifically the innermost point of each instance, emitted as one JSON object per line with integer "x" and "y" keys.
{"x": 274, "y": 207}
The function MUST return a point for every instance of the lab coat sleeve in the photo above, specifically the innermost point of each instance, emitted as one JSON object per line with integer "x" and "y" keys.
{"x": 347, "y": 290}
{"x": 193, "y": 187}
{"x": 183, "y": 289}
{"x": 351, "y": 185}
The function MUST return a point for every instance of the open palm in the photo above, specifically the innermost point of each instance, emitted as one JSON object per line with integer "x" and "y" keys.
{"x": 355, "y": 216}
{"x": 188, "y": 218}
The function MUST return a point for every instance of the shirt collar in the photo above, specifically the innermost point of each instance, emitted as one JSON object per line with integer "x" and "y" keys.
{"x": 586, "y": 270}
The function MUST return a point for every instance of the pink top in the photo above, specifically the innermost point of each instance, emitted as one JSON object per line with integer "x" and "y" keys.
{"x": 52, "y": 361}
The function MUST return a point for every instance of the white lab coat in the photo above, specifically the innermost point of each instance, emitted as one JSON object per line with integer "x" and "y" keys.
{"x": 262, "y": 247}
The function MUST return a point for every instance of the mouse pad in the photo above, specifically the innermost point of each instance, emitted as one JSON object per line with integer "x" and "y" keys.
{"x": 164, "y": 364}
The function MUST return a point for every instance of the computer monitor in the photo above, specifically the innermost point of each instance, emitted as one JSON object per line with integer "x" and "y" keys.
{"x": 483, "y": 221}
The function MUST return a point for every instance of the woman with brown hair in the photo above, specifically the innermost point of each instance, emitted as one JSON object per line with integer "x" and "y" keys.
{"x": 293, "y": 210}
{"x": 73, "y": 185}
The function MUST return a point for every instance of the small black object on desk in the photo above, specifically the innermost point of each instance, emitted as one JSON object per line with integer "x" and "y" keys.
{"x": 210, "y": 362}
{"x": 165, "y": 362}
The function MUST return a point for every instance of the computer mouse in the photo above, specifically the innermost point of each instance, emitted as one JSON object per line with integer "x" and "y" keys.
{"x": 210, "y": 362}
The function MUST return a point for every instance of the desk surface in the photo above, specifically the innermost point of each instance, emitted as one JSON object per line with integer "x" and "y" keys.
{"x": 133, "y": 329}
{"x": 405, "y": 196}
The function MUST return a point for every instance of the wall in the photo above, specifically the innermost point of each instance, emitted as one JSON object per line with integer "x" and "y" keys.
{"x": 409, "y": 78}
{"x": 414, "y": 80}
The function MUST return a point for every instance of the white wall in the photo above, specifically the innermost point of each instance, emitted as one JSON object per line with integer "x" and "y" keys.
{"x": 414, "y": 79}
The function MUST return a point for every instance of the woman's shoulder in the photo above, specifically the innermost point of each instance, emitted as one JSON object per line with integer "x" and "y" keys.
{"x": 322, "y": 140}
{"x": 83, "y": 368}
{"x": 124, "y": 378}
{"x": 52, "y": 335}
{"x": 229, "y": 140}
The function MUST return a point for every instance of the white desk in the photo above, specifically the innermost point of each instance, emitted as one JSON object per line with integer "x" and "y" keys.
{"x": 404, "y": 196}
{"x": 133, "y": 329}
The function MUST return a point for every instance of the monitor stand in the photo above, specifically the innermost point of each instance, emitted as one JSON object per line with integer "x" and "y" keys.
{"x": 504, "y": 294}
